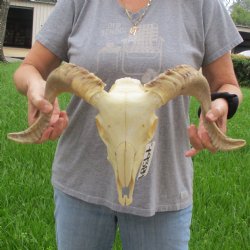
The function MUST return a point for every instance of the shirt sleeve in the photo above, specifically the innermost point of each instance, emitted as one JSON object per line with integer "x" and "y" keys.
{"x": 56, "y": 30}
{"x": 220, "y": 33}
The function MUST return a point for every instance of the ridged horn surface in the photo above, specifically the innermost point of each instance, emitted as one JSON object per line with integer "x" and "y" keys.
{"x": 65, "y": 78}
{"x": 185, "y": 80}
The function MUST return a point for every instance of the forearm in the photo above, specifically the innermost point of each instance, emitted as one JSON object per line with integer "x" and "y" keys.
{"x": 35, "y": 68}
{"x": 232, "y": 89}
{"x": 25, "y": 75}
{"x": 221, "y": 77}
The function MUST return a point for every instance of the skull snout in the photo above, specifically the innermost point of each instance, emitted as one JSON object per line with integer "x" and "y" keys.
{"x": 125, "y": 155}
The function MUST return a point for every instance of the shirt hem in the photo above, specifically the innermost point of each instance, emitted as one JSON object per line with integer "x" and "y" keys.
{"x": 47, "y": 44}
{"x": 222, "y": 51}
{"x": 144, "y": 212}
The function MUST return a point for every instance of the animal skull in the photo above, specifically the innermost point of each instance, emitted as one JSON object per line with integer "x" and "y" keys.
{"x": 126, "y": 121}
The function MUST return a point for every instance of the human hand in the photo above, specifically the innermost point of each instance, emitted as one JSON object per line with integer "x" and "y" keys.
{"x": 199, "y": 137}
{"x": 37, "y": 104}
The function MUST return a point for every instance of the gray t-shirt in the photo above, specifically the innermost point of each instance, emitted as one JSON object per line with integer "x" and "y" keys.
{"x": 95, "y": 34}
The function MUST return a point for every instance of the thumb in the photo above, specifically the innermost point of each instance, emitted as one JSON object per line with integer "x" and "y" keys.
{"x": 42, "y": 104}
{"x": 218, "y": 110}
{"x": 36, "y": 106}
{"x": 212, "y": 115}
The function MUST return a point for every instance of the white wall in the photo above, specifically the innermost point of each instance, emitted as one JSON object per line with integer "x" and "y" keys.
{"x": 41, "y": 12}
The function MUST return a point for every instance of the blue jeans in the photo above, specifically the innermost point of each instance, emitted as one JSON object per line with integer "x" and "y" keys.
{"x": 84, "y": 226}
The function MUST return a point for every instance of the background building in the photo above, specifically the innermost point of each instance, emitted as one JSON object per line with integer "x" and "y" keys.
{"x": 25, "y": 19}
{"x": 245, "y": 33}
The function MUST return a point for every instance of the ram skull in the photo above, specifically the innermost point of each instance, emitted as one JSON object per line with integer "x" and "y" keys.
{"x": 126, "y": 121}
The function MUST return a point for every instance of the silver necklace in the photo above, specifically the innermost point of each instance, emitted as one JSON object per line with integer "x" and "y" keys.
{"x": 136, "y": 22}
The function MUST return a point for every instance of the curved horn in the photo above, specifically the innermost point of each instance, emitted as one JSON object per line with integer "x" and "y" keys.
{"x": 65, "y": 78}
{"x": 185, "y": 80}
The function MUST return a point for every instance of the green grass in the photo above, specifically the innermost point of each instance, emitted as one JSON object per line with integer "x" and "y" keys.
{"x": 221, "y": 185}
{"x": 221, "y": 218}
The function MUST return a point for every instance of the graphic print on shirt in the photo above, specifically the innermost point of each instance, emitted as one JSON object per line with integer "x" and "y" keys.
{"x": 134, "y": 56}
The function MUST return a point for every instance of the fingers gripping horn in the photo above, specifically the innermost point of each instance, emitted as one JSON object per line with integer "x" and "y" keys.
{"x": 185, "y": 80}
{"x": 65, "y": 78}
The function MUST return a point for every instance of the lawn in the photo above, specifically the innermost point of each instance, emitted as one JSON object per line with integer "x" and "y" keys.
{"x": 221, "y": 184}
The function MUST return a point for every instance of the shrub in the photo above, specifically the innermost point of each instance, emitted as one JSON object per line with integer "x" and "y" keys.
{"x": 242, "y": 69}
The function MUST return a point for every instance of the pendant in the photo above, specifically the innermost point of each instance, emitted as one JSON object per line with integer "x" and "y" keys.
{"x": 133, "y": 30}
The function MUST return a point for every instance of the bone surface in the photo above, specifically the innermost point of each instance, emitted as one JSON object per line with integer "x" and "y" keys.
{"x": 126, "y": 121}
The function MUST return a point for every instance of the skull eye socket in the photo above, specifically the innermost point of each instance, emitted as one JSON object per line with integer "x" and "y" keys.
{"x": 152, "y": 129}
{"x": 101, "y": 129}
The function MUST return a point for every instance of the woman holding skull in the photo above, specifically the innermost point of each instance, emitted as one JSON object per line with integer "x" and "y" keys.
{"x": 139, "y": 39}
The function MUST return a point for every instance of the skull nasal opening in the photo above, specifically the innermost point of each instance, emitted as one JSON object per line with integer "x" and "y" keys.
{"x": 125, "y": 191}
